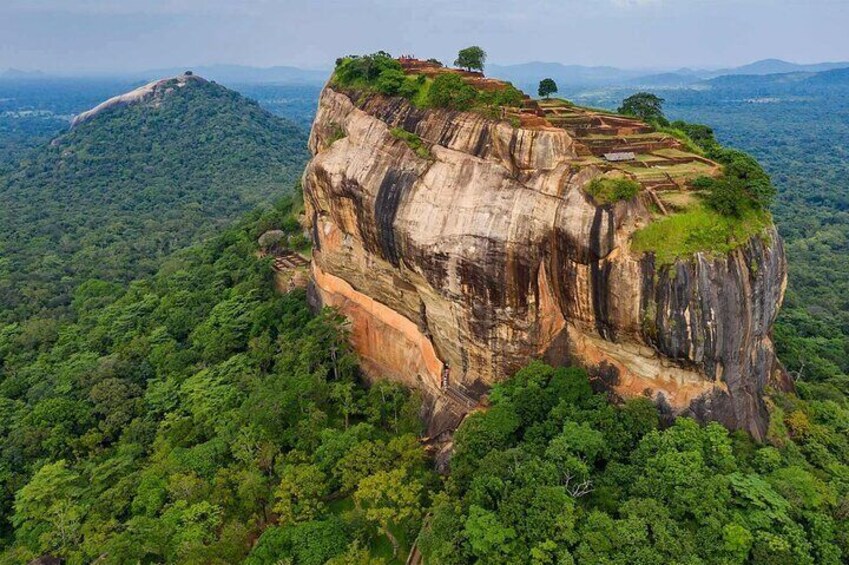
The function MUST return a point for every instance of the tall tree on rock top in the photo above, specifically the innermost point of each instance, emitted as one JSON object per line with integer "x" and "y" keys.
{"x": 471, "y": 58}
{"x": 645, "y": 106}
{"x": 547, "y": 87}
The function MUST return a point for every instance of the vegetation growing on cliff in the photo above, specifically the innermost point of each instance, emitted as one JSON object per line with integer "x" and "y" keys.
{"x": 451, "y": 91}
{"x": 413, "y": 141}
{"x": 734, "y": 206}
{"x": 724, "y": 220}
{"x": 379, "y": 72}
{"x": 700, "y": 229}
{"x": 609, "y": 190}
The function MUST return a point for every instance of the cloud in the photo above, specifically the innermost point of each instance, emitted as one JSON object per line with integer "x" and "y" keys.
{"x": 635, "y": 3}
{"x": 127, "y": 7}
{"x": 477, "y": 8}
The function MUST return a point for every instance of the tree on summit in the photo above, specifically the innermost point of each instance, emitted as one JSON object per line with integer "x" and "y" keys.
{"x": 547, "y": 87}
{"x": 471, "y": 58}
{"x": 645, "y": 106}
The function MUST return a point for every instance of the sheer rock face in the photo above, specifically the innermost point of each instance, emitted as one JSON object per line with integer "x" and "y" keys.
{"x": 489, "y": 254}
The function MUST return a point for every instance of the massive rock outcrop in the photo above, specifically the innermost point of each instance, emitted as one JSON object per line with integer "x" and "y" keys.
{"x": 459, "y": 266}
{"x": 151, "y": 91}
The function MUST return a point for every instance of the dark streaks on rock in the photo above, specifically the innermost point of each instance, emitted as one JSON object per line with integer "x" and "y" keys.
{"x": 648, "y": 301}
{"x": 468, "y": 270}
{"x": 483, "y": 141}
{"x": 563, "y": 259}
{"x": 395, "y": 184}
{"x": 316, "y": 240}
{"x": 432, "y": 264}
{"x": 716, "y": 315}
{"x": 601, "y": 242}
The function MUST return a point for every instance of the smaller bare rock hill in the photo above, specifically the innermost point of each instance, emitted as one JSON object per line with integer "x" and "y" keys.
{"x": 152, "y": 92}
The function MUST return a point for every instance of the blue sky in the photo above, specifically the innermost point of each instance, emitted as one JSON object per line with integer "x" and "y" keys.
{"x": 111, "y": 35}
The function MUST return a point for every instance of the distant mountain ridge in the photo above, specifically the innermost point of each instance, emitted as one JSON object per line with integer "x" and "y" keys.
{"x": 832, "y": 77}
{"x": 527, "y": 75}
{"x": 225, "y": 74}
{"x": 778, "y": 66}
{"x": 17, "y": 74}
{"x": 567, "y": 74}
{"x": 524, "y": 75}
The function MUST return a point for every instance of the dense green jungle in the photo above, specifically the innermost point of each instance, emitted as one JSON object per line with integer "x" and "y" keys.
{"x": 160, "y": 402}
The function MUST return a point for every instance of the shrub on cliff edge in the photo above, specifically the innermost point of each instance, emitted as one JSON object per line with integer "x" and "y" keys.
{"x": 365, "y": 69}
{"x": 413, "y": 141}
{"x": 608, "y": 191}
{"x": 450, "y": 91}
{"x": 744, "y": 183}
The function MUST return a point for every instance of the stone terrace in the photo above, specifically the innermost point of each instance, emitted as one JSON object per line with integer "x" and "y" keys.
{"x": 661, "y": 163}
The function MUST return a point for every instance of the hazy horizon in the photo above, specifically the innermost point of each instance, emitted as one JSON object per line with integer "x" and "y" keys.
{"x": 103, "y": 36}
{"x": 117, "y": 73}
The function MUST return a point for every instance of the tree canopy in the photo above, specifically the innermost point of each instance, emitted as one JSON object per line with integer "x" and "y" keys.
{"x": 645, "y": 106}
{"x": 553, "y": 473}
{"x": 471, "y": 58}
{"x": 181, "y": 419}
{"x": 547, "y": 87}
{"x": 449, "y": 90}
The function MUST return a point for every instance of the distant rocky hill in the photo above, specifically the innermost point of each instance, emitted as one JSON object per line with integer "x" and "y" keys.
{"x": 152, "y": 93}
{"x": 137, "y": 177}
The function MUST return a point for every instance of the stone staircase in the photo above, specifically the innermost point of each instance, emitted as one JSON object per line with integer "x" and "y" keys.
{"x": 288, "y": 259}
